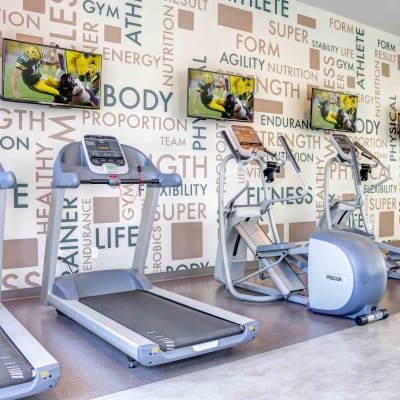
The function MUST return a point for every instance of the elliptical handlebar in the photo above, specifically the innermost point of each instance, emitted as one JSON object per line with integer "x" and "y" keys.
{"x": 343, "y": 145}
{"x": 297, "y": 169}
{"x": 357, "y": 177}
{"x": 289, "y": 153}
{"x": 370, "y": 156}
{"x": 273, "y": 154}
{"x": 366, "y": 153}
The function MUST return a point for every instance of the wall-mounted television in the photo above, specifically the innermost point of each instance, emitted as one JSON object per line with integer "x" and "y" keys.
{"x": 36, "y": 73}
{"x": 333, "y": 110}
{"x": 219, "y": 95}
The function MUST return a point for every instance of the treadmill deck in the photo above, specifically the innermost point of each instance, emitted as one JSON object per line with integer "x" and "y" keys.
{"x": 169, "y": 324}
{"x": 14, "y": 368}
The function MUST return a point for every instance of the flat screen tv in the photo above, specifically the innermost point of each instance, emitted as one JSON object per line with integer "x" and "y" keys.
{"x": 333, "y": 110}
{"x": 36, "y": 73}
{"x": 219, "y": 95}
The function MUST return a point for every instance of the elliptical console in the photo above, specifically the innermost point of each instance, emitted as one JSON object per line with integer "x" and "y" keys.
{"x": 342, "y": 145}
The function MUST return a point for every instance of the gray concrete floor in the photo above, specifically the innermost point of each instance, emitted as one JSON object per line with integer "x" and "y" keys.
{"x": 294, "y": 354}
{"x": 356, "y": 363}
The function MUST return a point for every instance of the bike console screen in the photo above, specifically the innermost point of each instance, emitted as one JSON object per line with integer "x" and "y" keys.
{"x": 103, "y": 155}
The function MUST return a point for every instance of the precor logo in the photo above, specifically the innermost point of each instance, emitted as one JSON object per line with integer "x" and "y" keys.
{"x": 336, "y": 278}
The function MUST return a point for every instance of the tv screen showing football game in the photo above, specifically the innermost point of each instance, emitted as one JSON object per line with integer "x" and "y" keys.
{"x": 219, "y": 96}
{"x": 35, "y": 73}
{"x": 333, "y": 110}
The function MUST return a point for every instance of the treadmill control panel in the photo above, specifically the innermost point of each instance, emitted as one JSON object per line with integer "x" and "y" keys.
{"x": 342, "y": 145}
{"x": 103, "y": 155}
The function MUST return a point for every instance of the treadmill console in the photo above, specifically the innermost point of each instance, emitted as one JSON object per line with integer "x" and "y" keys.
{"x": 103, "y": 155}
{"x": 342, "y": 145}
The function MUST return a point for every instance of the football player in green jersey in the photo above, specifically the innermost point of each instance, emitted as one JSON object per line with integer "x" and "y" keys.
{"x": 327, "y": 108}
{"x": 28, "y": 66}
{"x": 205, "y": 92}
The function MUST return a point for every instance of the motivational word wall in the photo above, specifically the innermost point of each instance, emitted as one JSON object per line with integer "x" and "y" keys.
{"x": 147, "y": 47}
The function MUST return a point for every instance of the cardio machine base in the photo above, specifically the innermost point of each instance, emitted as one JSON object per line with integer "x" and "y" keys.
{"x": 157, "y": 326}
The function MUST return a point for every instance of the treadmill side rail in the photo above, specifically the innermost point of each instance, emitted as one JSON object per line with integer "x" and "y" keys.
{"x": 140, "y": 348}
{"x": 45, "y": 366}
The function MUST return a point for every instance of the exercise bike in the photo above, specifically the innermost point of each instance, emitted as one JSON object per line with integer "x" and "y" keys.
{"x": 346, "y": 275}
{"x": 339, "y": 213}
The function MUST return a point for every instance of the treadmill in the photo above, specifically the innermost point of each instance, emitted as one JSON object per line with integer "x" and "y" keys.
{"x": 150, "y": 325}
{"x": 26, "y": 368}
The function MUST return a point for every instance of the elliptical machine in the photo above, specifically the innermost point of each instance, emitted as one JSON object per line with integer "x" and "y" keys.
{"x": 346, "y": 275}
{"x": 339, "y": 212}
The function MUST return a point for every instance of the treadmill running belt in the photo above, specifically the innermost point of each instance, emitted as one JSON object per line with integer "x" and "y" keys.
{"x": 171, "y": 325}
{"x": 14, "y": 368}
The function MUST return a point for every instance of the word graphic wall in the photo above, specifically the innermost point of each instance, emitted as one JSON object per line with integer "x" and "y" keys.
{"x": 146, "y": 48}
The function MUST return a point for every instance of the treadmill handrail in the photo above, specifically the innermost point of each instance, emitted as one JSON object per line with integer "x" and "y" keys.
{"x": 7, "y": 179}
{"x": 122, "y": 181}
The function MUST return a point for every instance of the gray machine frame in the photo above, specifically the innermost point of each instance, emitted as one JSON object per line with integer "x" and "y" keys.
{"x": 338, "y": 212}
{"x": 283, "y": 263}
{"x": 269, "y": 251}
{"x": 45, "y": 369}
{"x": 69, "y": 172}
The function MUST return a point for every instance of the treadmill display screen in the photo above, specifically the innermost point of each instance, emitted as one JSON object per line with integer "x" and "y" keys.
{"x": 103, "y": 147}
{"x": 103, "y": 154}
{"x": 103, "y": 150}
